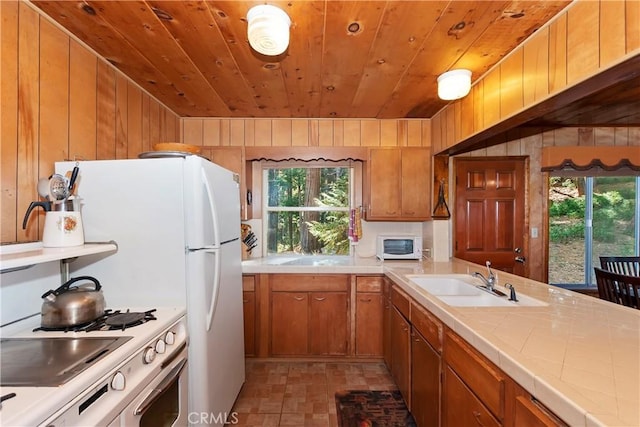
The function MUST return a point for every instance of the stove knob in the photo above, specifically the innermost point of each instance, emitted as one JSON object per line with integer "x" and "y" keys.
{"x": 118, "y": 381}
{"x": 160, "y": 347}
{"x": 170, "y": 338}
{"x": 148, "y": 355}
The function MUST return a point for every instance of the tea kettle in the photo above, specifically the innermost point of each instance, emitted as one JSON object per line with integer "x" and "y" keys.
{"x": 70, "y": 306}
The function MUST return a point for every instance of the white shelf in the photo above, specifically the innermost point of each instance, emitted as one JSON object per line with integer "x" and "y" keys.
{"x": 25, "y": 255}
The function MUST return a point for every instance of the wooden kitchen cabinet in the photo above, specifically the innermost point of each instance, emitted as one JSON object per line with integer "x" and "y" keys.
{"x": 232, "y": 158}
{"x": 401, "y": 343}
{"x": 398, "y": 184}
{"x": 529, "y": 412}
{"x": 386, "y": 322}
{"x": 426, "y": 366}
{"x": 249, "y": 314}
{"x": 289, "y": 323}
{"x": 309, "y": 315}
{"x": 462, "y": 407}
{"x": 369, "y": 316}
{"x": 469, "y": 371}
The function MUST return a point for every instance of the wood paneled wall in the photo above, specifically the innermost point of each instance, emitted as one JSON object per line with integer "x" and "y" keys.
{"x": 306, "y": 132}
{"x": 61, "y": 101}
{"x": 538, "y": 185}
{"x": 587, "y": 38}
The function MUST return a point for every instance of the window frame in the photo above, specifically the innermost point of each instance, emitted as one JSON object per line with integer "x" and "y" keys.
{"x": 355, "y": 196}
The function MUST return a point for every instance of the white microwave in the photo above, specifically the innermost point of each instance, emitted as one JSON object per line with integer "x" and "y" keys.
{"x": 399, "y": 246}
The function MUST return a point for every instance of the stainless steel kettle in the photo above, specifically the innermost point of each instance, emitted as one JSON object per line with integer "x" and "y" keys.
{"x": 72, "y": 305}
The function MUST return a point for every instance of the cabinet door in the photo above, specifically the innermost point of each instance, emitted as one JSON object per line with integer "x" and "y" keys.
{"x": 231, "y": 158}
{"x": 401, "y": 354}
{"x": 383, "y": 172}
{"x": 416, "y": 180}
{"x": 386, "y": 324}
{"x": 289, "y": 323}
{"x": 369, "y": 324}
{"x": 461, "y": 407}
{"x": 425, "y": 382}
{"x": 328, "y": 323}
{"x": 529, "y": 413}
{"x": 249, "y": 313}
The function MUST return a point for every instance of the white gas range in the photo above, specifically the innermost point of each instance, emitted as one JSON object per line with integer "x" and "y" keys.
{"x": 116, "y": 377}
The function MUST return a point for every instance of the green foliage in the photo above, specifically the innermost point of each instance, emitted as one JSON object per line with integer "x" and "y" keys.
{"x": 332, "y": 229}
{"x": 288, "y": 187}
{"x": 613, "y": 213}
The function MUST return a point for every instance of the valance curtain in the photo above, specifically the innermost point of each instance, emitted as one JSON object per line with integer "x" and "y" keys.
{"x": 306, "y": 154}
{"x": 592, "y": 161}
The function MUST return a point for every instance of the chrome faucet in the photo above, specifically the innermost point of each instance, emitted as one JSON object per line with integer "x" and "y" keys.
{"x": 490, "y": 280}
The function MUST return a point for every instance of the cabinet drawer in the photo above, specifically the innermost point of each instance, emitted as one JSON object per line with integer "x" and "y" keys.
{"x": 248, "y": 283}
{"x": 401, "y": 301}
{"x": 428, "y": 326}
{"x": 309, "y": 282}
{"x": 478, "y": 373}
{"x": 462, "y": 407}
{"x": 369, "y": 284}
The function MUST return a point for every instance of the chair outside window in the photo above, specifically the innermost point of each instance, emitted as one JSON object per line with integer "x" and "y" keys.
{"x": 618, "y": 288}
{"x": 627, "y": 265}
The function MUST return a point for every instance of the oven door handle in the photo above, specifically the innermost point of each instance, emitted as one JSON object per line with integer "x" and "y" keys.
{"x": 157, "y": 392}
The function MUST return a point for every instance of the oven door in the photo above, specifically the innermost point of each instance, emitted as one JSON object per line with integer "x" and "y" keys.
{"x": 164, "y": 401}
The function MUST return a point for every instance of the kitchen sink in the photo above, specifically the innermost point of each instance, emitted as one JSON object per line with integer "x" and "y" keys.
{"x": 461, "y": 290}
{"x": 320, "y": 260}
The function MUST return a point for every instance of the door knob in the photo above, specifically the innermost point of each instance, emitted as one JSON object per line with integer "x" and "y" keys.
{"x": 520, "y": 259}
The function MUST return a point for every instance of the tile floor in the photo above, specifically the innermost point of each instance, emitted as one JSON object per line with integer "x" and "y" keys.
{"x": 301, "y": 394}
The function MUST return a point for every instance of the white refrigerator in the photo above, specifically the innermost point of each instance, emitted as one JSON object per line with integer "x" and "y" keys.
{"x": 176, "y": 222}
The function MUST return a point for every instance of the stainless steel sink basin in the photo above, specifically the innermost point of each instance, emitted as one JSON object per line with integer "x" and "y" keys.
{"x": 460, "y": 290}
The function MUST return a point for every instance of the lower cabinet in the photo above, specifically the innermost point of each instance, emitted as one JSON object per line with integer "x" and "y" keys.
{"x": 426, "y": 366}
{"x": 369, "y": 316}
{"x": 249, "y": 314}
{"x": 401, "y": 354}
{"x": 309, "y": 315}
{"x": 461, "y": 406}
{"x": 387, "y": 309}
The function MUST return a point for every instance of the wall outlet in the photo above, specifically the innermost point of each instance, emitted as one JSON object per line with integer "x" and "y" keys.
{"x": 534, "y": 232}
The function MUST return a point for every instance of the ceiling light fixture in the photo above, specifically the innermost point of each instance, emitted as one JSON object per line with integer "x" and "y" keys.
{"x": 268, "y": 29}
{"x": 454, "y": 84}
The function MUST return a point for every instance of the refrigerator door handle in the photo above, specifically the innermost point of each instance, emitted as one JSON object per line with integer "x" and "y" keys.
{"x": 216, "y": 288}
{"x": 212, "y": 208}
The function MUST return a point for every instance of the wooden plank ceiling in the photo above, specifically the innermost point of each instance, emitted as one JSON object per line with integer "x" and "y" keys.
{"x": 360, "y": 59}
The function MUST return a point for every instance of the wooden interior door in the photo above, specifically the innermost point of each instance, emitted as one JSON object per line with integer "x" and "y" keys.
{"x": 490, "y": 222}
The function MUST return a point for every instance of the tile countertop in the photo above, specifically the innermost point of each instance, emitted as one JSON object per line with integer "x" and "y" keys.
{"x": 579, "y": 356}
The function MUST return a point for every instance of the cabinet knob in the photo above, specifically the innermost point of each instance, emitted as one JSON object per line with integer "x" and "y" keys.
{"x": 298, "y": 298}
{"x": 365, "y": 300}
{"x": 319, "y": 298}
{"x": 477, "y": 415}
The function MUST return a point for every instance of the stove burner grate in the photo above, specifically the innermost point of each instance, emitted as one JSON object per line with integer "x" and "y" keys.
{"x": 128, "y": 319}
{"x": 109, "y": 321}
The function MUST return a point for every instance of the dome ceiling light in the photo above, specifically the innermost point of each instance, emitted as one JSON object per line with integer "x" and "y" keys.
{"x": 454, "y": 84}
{"x": 268, "y": 29}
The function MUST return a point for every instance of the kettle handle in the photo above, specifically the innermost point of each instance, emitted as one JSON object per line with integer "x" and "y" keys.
{"x": 44, "y": 205}
{"x": 65, "y": 287}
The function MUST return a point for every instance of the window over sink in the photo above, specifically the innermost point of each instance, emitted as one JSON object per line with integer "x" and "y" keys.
{"x": 306, "y": 207}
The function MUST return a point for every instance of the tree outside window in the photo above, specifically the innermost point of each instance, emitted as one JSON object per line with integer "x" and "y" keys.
{"x": 307, "y": 210}
{"x": 590, "y": 217}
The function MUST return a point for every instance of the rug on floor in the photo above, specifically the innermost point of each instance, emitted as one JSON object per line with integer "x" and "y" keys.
{"x": 365, "y": 408}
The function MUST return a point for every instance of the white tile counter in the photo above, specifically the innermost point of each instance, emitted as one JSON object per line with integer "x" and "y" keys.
{"x": 578, "y": 355}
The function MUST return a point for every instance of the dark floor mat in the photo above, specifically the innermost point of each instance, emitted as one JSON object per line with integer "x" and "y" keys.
{"x": 365, "y": 408}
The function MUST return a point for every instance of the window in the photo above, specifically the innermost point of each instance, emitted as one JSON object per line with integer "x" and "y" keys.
{"x": 591, "y": 217}
{"x": 307, "y": 207}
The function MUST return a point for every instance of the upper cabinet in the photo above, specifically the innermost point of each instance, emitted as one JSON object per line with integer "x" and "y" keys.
{"x": 232, "y": 158}
{"x": 398, "y": 184}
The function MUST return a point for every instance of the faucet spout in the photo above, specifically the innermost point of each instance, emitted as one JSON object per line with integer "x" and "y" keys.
{"x": 490, "y": 280}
